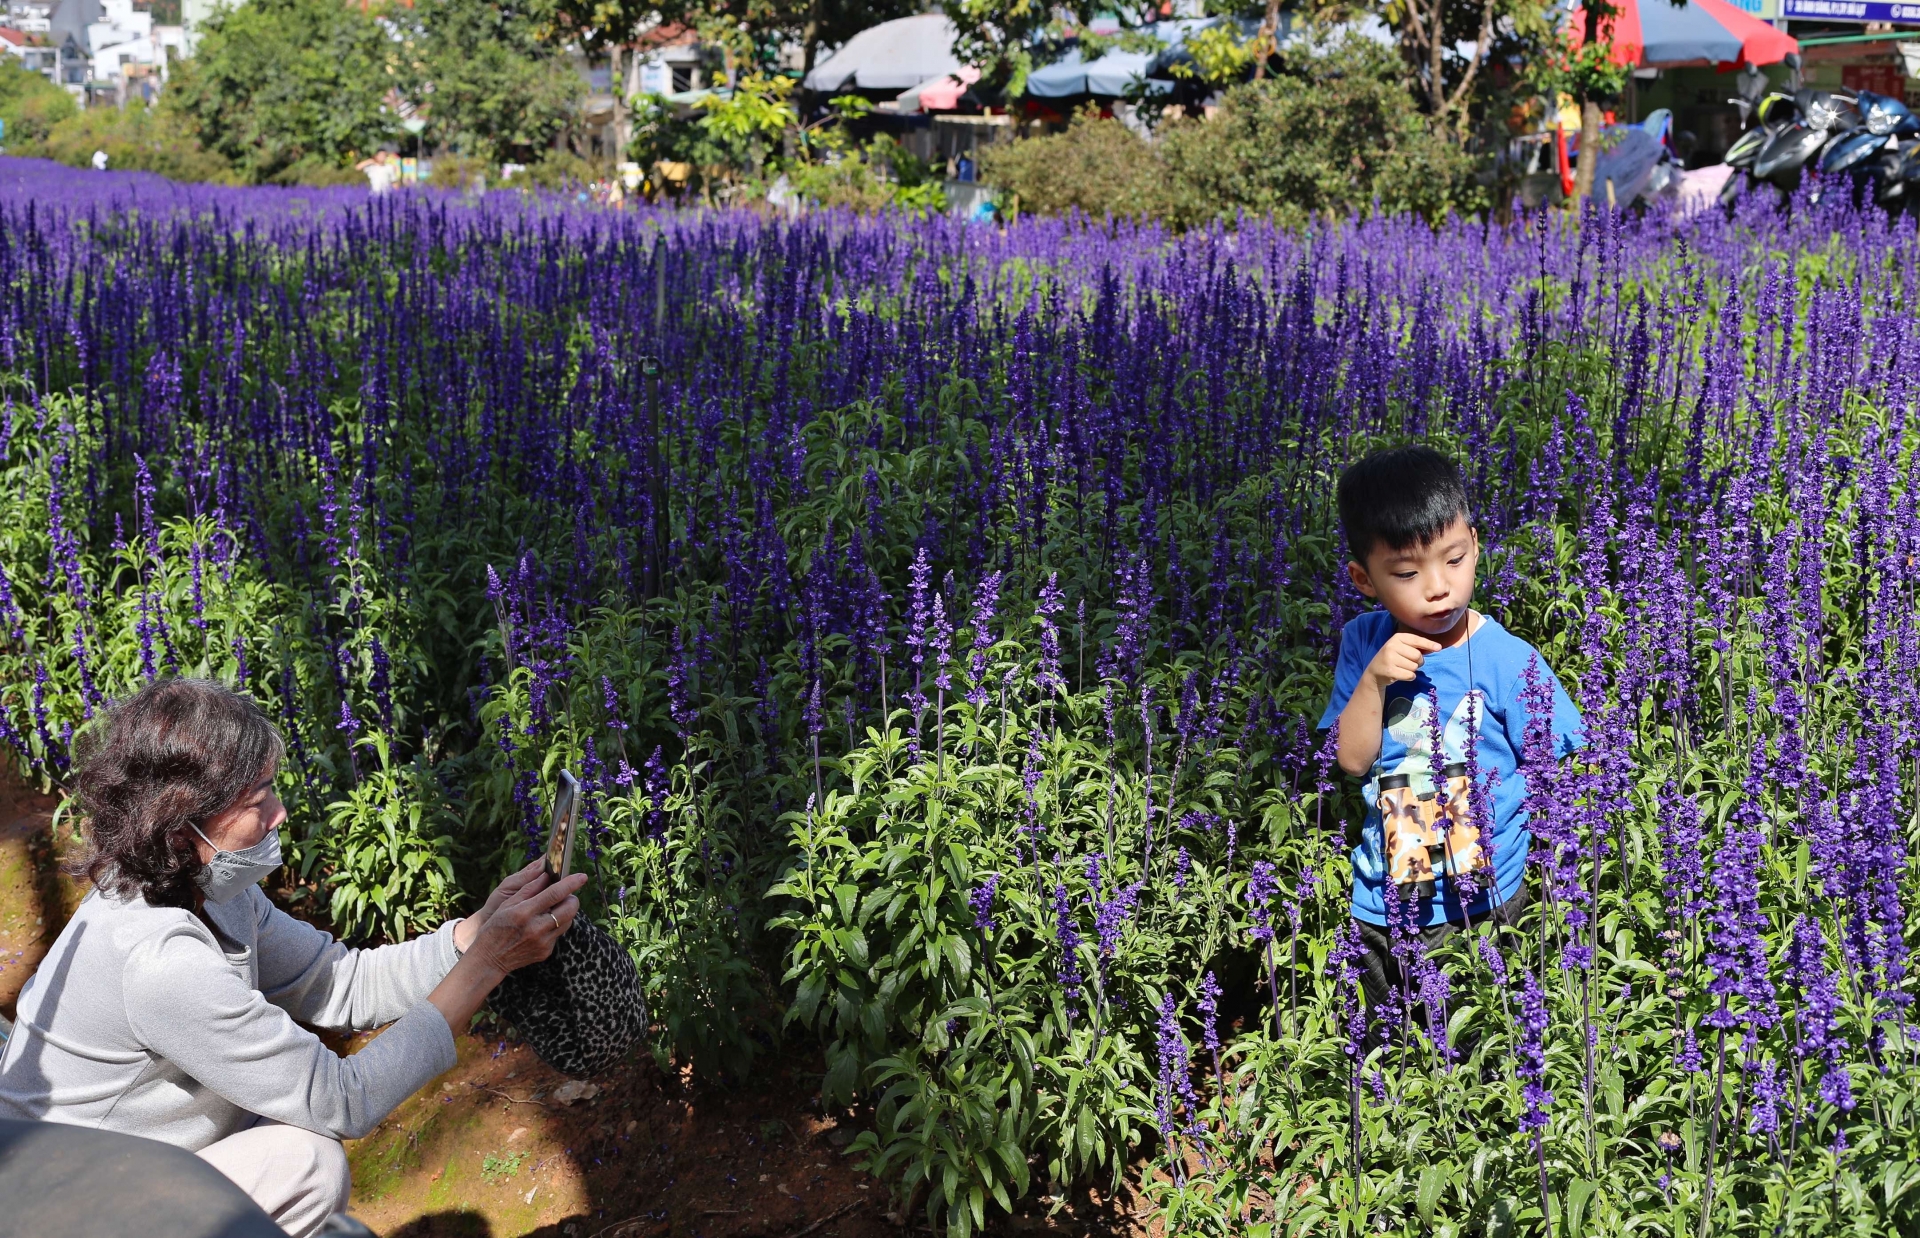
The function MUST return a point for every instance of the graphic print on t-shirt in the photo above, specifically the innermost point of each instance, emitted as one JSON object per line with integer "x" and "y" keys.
{"x": 1428, "y": 821}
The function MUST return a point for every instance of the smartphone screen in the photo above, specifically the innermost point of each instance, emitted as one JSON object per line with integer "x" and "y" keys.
{"x": 566, "y": 808}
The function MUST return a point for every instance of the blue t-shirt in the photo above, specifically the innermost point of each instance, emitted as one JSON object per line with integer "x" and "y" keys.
{"x": 1432, "y": 832}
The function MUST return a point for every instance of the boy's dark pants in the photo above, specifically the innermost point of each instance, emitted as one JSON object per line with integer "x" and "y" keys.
{"x": 1380, "y": 971}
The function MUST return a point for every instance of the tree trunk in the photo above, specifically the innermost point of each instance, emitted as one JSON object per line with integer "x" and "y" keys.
{"x": 1437, "y": 61}
{"x": 810, "y": 39}
{"x": 1264, "y": 42}
{"x": 1596, "y": 11}
{"x": 622, "y": 119}
{"x": 1589, "y": 149}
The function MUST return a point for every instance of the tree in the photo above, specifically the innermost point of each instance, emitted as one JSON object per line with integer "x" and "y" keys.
{"x": 280, "y": 83}
{"x": 756, "y": 30}
{"x": 486, "y": 85}
{"x": 1589, "y": 74}
{"x": 135, "y": 138}
{"x": 30, "y": 104}
{"x": 1333, "y": 130}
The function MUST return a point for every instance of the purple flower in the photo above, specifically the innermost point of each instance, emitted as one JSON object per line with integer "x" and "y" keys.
{"x": 1112, "y": 915}
{"x": 986, "y": 597}
{"x": 1689, "y": 1059}
{"x": 1767, "y": 1095}
{"x": 981, "y": 900}
{"x": 1047, "y": 676}
{"x": 1209, "y": 1004}
{"x": 1819, "y": 1015}
{"x": 918, "y": 619}
{"x": 1135, "y": 605}
{"x": 1261, "y": 887}
{"x": 1067, "y": 933}
{"x": 1176, "y": 1074}
{"x": 940, "y": 641}
{"x": 1736, "y": 952}
{"x": 1531, "y": 1055}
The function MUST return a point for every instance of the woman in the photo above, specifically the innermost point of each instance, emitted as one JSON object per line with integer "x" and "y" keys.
{"x": 167, "y": 1007}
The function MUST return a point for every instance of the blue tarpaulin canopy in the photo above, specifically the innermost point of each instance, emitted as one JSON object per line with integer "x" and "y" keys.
{"x": 1119, "y": 73}
{"x": 1114, "y": 74}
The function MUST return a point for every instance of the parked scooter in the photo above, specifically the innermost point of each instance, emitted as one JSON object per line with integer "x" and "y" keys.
{"x": 1871, "y": 154}
{"x": 1824, "y": 118}
{"x": 1768, "y": 113}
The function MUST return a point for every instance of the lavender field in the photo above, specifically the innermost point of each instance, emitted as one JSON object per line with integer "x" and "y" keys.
{"x": 943, "y": 666}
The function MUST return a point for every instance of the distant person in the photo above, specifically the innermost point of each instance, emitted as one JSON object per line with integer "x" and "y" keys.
{"x": 381, "y": 171}
{"x": 963, "y": 169}
{"x": 99, "y": 161}
{"x": 171, "y": 1005}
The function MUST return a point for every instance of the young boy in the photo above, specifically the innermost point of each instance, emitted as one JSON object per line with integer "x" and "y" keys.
{"x": 1414, "y": 550}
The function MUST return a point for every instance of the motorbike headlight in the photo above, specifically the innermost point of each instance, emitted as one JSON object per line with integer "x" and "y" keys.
{"x": 1881, "y": 120}
{"x": 1821, "y": 115}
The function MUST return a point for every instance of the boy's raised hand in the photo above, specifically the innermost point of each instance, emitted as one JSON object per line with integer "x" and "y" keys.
{"x": 1400, "y": 658}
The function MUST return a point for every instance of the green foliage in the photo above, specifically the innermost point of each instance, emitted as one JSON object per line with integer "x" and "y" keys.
{"x": 461, "y": 172}
{"x": 497, "y": 1167}
{"x": 739, "y": 143}
{"x": 1334, "y": 132}
{"x": 775, "y": 874}
{"x": 493, "y": 91}
{"x": 388, "y": 848}
{"x": 276, "y": 82}
{"x": 755, "y": 110}
{"x": 1586, "y": 72}
{"x": 30, "y": 104}
{"x": 319, "y": 172}
{"x": 556, "y": 170}
{"x": 754, "y": 31}
{"x": 1097, "y": 166}
{"x": 135, "y": 138}
{"x": 1216, "y": 56}
{"x": 1001, "y": 37}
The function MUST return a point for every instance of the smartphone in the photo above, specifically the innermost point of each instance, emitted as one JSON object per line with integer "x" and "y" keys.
{"x": 566, "y": 812}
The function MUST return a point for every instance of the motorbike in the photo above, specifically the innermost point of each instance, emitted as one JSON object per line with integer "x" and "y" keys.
{"x": 1871, "y": 154}
{"x": 1771, "y": 115}
{"x": 1824, "y": 117}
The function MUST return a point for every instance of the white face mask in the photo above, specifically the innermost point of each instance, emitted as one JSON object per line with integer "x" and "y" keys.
{"x": 228, "y": 874}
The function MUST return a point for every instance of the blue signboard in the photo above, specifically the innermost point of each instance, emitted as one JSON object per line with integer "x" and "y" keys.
{"x": 1851, "y": 10}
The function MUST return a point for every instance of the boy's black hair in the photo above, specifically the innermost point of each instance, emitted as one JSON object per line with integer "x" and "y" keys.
{"x": 1397, "y": 497}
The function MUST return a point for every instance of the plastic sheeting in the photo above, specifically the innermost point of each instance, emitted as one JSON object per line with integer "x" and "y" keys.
{"x": 893, "y": 55}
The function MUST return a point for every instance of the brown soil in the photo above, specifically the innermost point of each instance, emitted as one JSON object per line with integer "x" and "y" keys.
{"x": 35, "y": 897}
{"x": 499, "y": 1147}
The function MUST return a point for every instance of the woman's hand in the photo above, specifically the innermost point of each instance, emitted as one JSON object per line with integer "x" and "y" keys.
{"x": 521, "y": 930}
{"x": 469, "y": 928}
{"x": 528, "y": 921}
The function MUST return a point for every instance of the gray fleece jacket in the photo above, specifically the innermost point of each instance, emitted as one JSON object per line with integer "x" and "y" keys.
{"x": 142, "y": 1021}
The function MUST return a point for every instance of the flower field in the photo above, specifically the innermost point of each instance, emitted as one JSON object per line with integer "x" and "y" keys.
{"x": 938, "y": 616}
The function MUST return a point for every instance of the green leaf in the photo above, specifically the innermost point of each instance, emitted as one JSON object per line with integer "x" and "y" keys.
{"x": 1433, "y": 1180}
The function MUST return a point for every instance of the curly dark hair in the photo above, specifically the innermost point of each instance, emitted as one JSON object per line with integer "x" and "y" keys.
{"x": 176, "y": 753}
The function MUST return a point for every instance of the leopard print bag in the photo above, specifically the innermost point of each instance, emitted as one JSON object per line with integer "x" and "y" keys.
{"x": 581, "y": 1007}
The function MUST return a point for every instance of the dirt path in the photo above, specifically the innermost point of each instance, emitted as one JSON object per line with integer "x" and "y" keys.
{"x": 502, "y": 1147}
{"x": 35, "y": 899}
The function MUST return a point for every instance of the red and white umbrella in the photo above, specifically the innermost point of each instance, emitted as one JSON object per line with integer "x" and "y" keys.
{"x": 1659, "y": 34}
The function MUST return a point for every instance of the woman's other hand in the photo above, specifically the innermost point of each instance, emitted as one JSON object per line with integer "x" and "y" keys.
{"x": 469, "y": 928}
